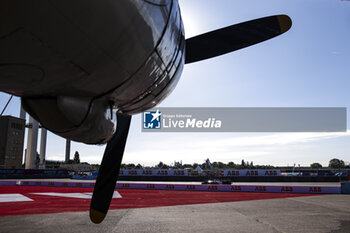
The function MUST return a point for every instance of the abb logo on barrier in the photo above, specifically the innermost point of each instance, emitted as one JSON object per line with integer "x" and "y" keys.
{"x": 126, "y": 185}
{"x": 233, "y": 173}
{"x": 191, "y": 187}
{"x": 315, "y": 190}
{"x": 132, "y": 172}
{"x": 147, "y": 172}
{"x": 151, "y": 186}
{"x": 271, "y": 173}
{"x": 212, "y": 187}
{"x": 260, "y": 188}
{"x": 287, "y": 189}
{"x": 170, "y": 186}
{"x": 252, "y": 173}
{"x": 236, "y": 188}
{"x": 162, "y": 173}
{"x": 153, "y": 172}
{"x": 179, "y": 173}
{"x": 256, "y": 172}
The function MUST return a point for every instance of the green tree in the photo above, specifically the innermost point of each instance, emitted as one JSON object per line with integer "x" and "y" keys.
{"x": 316, "y": 165}
{"x": 160, "y": 164}
{"x": 76, "y": 157}
{"x": 96, "y": 166}
{"x": 221, "y": 165}
{"x": 336, "y": 163}
{"x": 178, "y": 165}
{"x": 231, "y": 165}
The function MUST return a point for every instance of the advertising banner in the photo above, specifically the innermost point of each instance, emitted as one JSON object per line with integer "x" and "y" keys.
{"x": 252, "y": 172}
{"x": 153, "y": 172}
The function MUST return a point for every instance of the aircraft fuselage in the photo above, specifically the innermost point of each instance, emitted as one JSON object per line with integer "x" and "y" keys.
{"x": 72, "y": 62}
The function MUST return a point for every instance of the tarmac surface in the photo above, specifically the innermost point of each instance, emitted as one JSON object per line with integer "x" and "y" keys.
{"x": 316, "y": 213}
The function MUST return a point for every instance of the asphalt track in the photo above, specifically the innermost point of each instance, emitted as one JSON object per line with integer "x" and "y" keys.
{"x": 176, "y": 211}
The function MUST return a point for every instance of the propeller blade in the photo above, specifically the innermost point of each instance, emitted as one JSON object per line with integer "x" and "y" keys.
{"x": 109, "y": 170}
{"x": 235, "y": 37}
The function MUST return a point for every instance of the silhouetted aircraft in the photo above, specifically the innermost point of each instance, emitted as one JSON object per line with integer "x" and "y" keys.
{"x": 74, "y": 63}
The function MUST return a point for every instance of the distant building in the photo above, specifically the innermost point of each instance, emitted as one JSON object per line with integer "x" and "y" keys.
{"x": 51, "y": 164}
{"x": 11, "y": 142}
{"x": 76, "y": 167}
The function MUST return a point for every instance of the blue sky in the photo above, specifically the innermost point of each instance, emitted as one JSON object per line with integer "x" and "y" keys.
{"x": 305, "y": 67}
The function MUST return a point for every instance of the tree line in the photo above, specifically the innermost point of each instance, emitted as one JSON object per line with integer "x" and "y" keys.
{"x": 333, "y": 164}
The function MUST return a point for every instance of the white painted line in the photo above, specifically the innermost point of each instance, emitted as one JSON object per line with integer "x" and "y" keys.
{"x": 13, "y": 197}
{"x": 75, "y": 195}
{"x": 115, "y": 194}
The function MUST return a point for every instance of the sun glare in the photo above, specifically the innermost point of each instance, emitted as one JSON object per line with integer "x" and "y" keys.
{"x": 191, "y": 20}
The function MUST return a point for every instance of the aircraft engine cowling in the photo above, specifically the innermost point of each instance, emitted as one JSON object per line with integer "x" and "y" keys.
{"x": 84, "y": 120}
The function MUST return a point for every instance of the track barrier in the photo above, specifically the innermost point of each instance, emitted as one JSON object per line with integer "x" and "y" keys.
{"x": 344, "y": 188}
